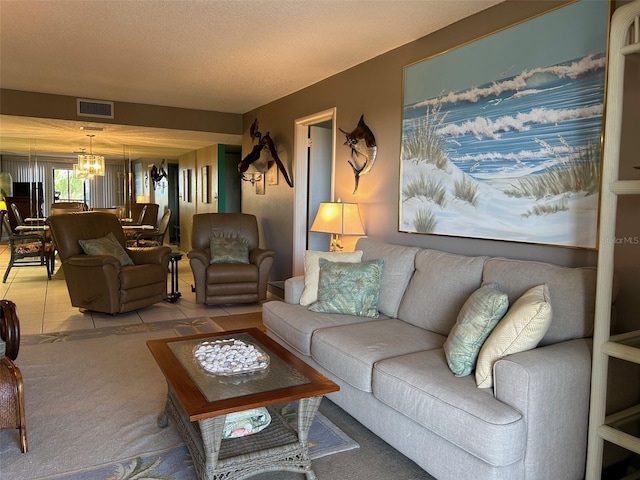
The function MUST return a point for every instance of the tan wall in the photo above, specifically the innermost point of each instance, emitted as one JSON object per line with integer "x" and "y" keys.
{"x": 42, "y": 105}
{"x": 194, "y": 161}
{"x": 374, "y": 89}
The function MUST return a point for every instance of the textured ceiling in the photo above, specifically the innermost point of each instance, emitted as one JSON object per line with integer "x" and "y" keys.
{"x": 220, "y": 55}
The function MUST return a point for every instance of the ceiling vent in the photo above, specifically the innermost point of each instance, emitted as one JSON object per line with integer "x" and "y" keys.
{"x": 94, "y": 108}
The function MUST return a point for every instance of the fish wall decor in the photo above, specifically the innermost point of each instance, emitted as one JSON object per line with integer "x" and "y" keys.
{"x": 264, "y": 141}
{"x": 363, "y": 150}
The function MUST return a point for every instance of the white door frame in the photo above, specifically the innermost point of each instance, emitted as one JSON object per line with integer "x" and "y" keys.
{"x": 301, "y": 145}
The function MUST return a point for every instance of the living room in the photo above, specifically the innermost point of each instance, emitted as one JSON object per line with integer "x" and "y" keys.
{"x": 374, "y": 89}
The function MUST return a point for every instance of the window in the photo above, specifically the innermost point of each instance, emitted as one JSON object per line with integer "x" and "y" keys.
{"x": 68, "y": 188}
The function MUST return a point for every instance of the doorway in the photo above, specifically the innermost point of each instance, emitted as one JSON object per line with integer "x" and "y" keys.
{"x": 314, "y": 180}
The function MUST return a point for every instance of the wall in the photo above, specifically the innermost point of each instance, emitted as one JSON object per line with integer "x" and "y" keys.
{"x": 375, "y": 89}
{"x": 193, "y": 163}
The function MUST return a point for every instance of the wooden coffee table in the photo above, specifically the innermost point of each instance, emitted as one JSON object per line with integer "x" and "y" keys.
{"x": 198, "y": 402}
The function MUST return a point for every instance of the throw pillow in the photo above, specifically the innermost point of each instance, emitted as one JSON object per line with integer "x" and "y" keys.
{"x": 229, "y": 250}
{"x": 107, "y": 245}
{"x": 523, "y": 326}
{"x": 312, "y": 271}
{"x": 349, "y": 288}
{"x": 478, "y": 316}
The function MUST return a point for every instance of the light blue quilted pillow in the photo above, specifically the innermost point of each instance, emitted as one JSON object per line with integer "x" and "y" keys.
{"x": 229, "y": 250}
{"x": 349, "y": 288}
{"x": 478, "y": 316}
{"x": 107, "y": 245}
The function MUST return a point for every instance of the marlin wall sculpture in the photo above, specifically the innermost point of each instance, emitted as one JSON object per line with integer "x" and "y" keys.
{"x": 363, "y": 150}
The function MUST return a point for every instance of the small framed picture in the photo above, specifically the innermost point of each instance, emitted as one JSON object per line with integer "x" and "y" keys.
{"x": 204, "y": 178}
{"x": 186, "y": 185}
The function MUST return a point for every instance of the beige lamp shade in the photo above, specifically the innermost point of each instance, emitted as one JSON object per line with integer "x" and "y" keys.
{"x": 338, "y": 219}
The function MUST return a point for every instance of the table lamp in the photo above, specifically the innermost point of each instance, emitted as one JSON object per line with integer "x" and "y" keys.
{"x": 338, "y": 219}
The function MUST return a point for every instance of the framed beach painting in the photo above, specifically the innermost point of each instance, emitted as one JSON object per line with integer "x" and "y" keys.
{"x": 501, "y": 137}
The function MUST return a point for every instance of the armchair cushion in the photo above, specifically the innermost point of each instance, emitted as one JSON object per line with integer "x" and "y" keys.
{"x": 229, "y": 250}
{"x": 107, "y": 245}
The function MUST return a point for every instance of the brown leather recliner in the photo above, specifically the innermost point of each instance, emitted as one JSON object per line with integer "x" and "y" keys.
{"x": 99, "y": 282}
{"x": 226, "y": 283}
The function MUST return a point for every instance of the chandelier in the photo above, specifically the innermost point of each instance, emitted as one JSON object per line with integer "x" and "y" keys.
{"x": 89, "y": 166}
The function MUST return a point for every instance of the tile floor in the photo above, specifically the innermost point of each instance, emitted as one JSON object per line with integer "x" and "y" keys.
{"x": 44, "y": 305}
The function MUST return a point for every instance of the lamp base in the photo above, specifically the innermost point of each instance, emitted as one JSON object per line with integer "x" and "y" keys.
{"x": 336, "y": 243}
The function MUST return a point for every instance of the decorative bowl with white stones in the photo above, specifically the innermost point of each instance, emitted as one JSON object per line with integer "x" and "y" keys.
{"x": 230, "y": 357}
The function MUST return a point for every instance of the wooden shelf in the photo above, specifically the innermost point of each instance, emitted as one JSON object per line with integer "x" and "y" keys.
{"x": 625, "y": 346}
{"x": 625, "y": 187}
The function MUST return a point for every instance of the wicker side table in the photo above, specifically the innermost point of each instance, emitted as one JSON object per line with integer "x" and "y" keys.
{"x": 12, "y": 400}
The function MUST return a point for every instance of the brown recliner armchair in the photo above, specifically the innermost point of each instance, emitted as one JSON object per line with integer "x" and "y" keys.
{"x": 226, "y": 283}
{"x": 100, "y": 282}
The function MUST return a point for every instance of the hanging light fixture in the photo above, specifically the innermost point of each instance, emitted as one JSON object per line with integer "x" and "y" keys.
{"x": 89, "y": 166}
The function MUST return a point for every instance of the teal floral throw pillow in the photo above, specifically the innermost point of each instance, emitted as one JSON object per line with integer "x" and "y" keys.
{"x": 108, "y": 245}
{"x": 478, "y": 316}
{"x": 349, "y": 288}
{"x": 229, "y": 250}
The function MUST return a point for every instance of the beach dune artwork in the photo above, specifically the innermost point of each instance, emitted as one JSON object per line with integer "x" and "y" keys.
{"x": 501, "y": 137}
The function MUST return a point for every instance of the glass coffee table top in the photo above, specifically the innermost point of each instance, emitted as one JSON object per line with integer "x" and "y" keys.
{"x": 279, "y": 374}
{"x": 204, "y": 395}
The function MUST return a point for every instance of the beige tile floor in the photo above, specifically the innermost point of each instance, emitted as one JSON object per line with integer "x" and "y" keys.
{"x": 44, "y": 305}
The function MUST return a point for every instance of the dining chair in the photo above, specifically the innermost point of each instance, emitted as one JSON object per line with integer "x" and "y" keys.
{"x": 28, "y": 250}
{"x": 21, "y": 223}
{"x": 143, "y": 212}
{"x": 151, "y": 238}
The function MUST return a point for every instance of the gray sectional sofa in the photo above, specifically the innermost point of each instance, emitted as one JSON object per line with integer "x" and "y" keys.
{"x": 395, "y": 380}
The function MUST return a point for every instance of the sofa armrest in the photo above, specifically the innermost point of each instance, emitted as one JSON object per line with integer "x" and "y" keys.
{"x": 550, "y": 386}
{"x": 293, "y": 288}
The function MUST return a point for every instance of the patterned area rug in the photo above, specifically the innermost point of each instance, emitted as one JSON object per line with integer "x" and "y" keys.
{"x": 92, "y": 400}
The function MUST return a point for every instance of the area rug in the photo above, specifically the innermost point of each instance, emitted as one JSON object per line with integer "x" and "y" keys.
{"x": 92, "y": 402}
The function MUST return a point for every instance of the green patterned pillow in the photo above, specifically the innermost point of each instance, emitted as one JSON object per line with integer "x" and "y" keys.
{"x": 229, "y": 250}
{"x": 106, "y": 246}
{"x": 350, "y": 288}
{"x": 478, "y": 316}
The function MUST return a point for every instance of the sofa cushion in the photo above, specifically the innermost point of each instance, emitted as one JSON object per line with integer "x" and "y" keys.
{"x": 312, "y": 271}
{"x": 520, "y": 330}
{"x": 349, "y": 288}
{"x": 438, "y": 289}
{"x": 572, "y": 292}
{"x": 351, "y": 351}
{"x": 107, "y": 245}
{"x": 295, "y": 324}
{"x": 479, "y": 314}
{"x": 421, "y": 386}
{"x": 398, "y": 268}
{"x": 229, "y": 250}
